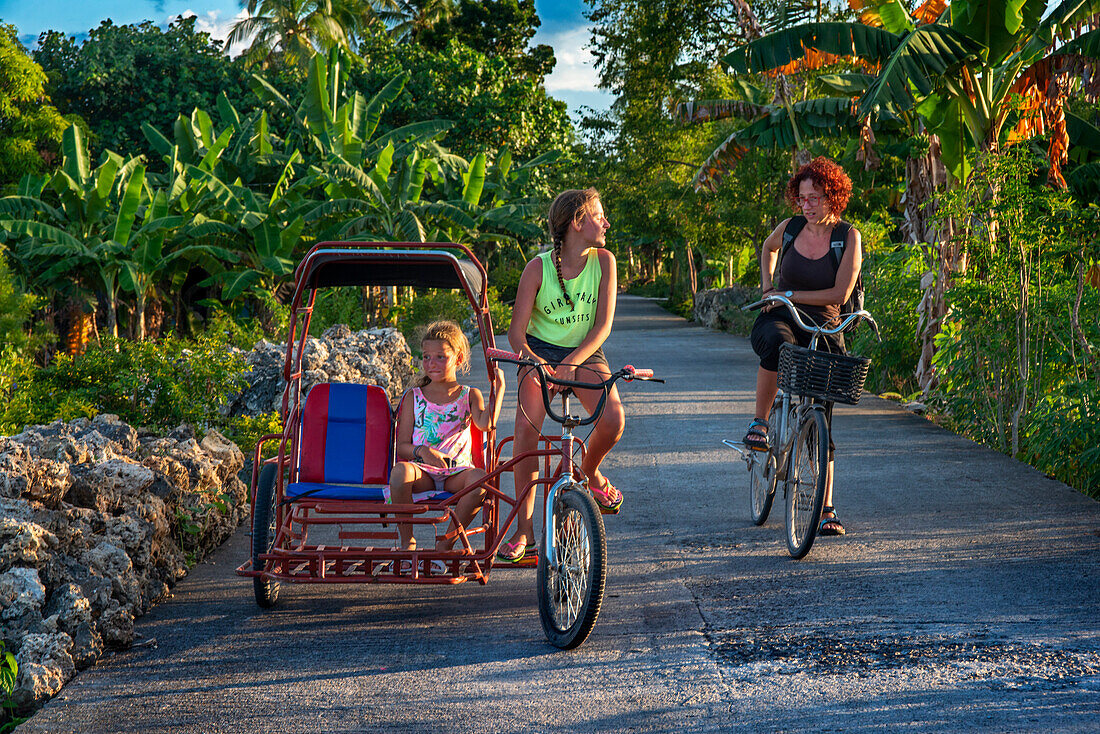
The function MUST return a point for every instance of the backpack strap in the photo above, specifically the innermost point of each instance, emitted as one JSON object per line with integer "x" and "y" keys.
{"x": 839, "y": 240}
{"x": 794, "y": 226}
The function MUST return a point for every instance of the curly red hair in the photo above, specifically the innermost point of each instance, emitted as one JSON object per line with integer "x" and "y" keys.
{"x": 826, "y": 176}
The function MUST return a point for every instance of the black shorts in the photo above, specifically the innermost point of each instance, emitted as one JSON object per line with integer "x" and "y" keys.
{"x": 555, "y": 355}
{"x": 773, "y": 328}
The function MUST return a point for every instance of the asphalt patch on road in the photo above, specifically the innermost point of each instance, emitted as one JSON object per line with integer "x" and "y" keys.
{"x": 751, "y": 654}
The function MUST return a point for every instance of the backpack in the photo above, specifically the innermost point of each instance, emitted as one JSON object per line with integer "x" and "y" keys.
{"x": 836, "y": 246}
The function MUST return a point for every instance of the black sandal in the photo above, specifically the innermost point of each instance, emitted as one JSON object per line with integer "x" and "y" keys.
{"x": 757, "y": 439}
{"x": 834, "y": 520}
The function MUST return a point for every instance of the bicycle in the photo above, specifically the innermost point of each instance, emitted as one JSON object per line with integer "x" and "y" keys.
{"x": 572, "y": 566}
{"x": 798, "y": 454}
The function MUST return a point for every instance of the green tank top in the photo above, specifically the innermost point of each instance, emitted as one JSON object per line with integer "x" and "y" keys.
{"x": 552, "y": 319}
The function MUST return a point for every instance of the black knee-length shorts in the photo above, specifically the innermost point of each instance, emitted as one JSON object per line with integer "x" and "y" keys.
{"x": 773, "y": 328}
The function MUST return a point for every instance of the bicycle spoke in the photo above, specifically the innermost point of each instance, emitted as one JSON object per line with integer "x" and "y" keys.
{"x": 569, "y": 580}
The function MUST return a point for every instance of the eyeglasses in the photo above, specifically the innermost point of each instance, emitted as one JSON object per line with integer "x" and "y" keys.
{"x": 810, "y": 200}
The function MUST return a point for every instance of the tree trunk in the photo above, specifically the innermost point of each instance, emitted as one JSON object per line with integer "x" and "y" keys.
{"x": 693, "y": 276}
{"x": 925, "y": 175}
{"x": 112, "y": 314}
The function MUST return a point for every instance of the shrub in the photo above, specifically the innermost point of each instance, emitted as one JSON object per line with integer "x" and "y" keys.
{"x": 246, "y": 430}
{"x": 155, "y": 384}
{"x": 433, "y": 305}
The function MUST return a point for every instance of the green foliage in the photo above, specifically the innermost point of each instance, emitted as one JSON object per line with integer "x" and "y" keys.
{"x": 1012, "y": 370}
{"x": 340, "y": 306}
{"x": 433, "y": 305}
{"x": 656, "y": 288}
{"x": 265, "y": 318}
{"x": 247, "y": 430}
{"x": 122, "y": 77}
{"x": 16, "y": 309}
{"x": 493, "y": 105}
{"x": 9, "y": 672}
{"x": 496, "y": 28}
{"x": 891, "y": 279}
{"x": 154, "y": 384}
{"x": 30, "y": 127}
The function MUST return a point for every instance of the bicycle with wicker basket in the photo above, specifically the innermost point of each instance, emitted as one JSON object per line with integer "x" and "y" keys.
{"x": 799, "y": 455}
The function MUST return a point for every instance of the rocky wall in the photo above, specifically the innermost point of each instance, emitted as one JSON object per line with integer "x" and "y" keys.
{"x": 718, "y": 308}
{"x": 371, "y": 356}
{"x": 97, "y": 522}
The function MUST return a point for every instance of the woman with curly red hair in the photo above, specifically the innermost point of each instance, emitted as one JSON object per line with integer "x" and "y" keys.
{"x": 815, "y": 281}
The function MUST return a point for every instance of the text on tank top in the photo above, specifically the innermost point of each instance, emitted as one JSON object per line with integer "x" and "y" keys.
{"x": 553, "y": 320}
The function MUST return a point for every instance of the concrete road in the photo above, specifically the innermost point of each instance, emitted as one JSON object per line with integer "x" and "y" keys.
{"x": 965, "y": 596}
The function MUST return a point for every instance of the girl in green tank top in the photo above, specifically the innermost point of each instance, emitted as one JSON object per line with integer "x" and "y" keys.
{"x": 564, "y": 308}
{"x": 563, "y": 316}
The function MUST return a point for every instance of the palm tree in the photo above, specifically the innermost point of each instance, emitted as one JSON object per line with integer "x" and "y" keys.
{"x": 294, "y": 29}
{"x": 407, "y": 19}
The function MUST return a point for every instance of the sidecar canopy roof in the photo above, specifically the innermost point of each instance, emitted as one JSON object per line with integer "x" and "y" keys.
{"x": 336, "y": 266}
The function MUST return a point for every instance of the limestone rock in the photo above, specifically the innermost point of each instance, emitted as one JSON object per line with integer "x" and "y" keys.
{"x": 717, "y": 307}
{"x": 24, "y": 543}
{"x": 97, "y": 521}
{"x": 373, "y": 356}
{"x": 44, "y": 666}
{"x": 72, "y": 612}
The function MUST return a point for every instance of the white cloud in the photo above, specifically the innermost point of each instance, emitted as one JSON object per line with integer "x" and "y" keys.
{"x": 218, "y": 27}
{"x": 576, "y": 68}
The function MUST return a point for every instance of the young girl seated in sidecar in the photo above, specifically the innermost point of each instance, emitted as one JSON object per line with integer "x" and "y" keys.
{"x": 434, "y": 440}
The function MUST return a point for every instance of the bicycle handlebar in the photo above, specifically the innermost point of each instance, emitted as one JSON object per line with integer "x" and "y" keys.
{"x": 627, "y": 373}
{"x": 844, "y": 324}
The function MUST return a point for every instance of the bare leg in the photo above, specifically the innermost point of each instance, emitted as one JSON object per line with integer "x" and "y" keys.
{"x": 834, "y": 528}
{"x": 608, "y": 429}
{"x": 468, "y": 506}
{"x": 767, "y": 385}
{"x": 529, "y": 418}
{"x": 405, "y": 478}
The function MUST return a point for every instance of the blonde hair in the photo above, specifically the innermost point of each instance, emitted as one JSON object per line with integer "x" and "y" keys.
{"x": 449, "y": 333}
{"x": 568, "y": 208}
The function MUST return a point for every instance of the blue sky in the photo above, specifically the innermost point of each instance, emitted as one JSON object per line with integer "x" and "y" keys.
{"x": 563, "y": 27}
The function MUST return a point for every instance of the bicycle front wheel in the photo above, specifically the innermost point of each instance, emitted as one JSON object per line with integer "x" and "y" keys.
{"x": 806, "y": 482}
{"x": 570, "y": 590}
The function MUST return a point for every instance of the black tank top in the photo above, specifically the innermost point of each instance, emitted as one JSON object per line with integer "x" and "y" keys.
{"x": 799, "y": 273}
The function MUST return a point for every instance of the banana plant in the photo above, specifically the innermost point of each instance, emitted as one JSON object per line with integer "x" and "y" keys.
{"x": 146, "y": 260}
{"x": 86, "y": 229}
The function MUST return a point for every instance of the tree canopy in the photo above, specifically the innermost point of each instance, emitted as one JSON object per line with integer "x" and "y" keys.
{"x": 30, "y": 127}
{"x": 122, "y": 76}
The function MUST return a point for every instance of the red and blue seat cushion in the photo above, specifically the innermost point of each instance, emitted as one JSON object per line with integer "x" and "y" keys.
{"x": 347, "y": 444}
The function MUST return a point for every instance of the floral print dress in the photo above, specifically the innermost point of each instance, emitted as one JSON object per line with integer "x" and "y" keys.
{"x": 446, "y": 428}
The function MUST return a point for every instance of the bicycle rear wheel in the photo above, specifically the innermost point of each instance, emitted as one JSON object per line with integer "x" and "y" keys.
{"x": 806, "y": 477}
{"x": 762, "y": 466}
{"x": 263, "y": 534}
{"x": 571, "y": 592}
{"x": 761, "y": 484}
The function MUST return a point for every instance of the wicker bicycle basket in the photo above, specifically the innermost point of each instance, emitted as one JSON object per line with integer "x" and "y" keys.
{"x": 835, "y": 377}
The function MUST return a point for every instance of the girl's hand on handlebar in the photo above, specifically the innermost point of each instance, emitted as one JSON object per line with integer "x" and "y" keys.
{"x": 563, "y": 372}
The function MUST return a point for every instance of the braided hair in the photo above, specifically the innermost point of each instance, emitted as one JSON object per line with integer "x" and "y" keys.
{"x": 569, "y": 207}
